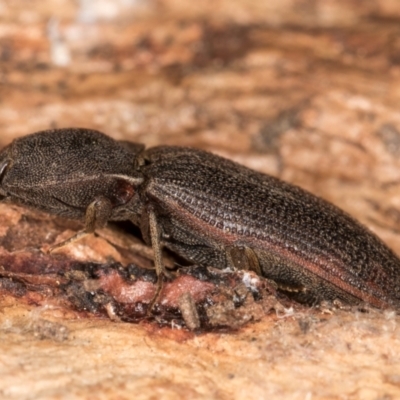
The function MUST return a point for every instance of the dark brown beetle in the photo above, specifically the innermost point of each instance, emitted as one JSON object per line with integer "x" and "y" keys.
{"x": 209, "y": 210}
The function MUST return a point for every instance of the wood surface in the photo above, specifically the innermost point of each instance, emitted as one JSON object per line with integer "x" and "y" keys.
{"x": 307, "y": 90}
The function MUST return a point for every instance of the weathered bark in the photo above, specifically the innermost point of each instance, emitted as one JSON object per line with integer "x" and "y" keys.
{"x": 305, "y": 90}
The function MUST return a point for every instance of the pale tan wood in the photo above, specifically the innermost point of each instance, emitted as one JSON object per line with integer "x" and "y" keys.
{"x": 305, "y": 90}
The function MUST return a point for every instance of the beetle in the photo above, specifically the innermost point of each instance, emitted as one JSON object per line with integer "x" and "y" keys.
{"x": 207, "y": 209}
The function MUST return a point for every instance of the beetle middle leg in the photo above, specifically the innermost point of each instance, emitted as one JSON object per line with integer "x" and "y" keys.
{"x": 151, "y": 232}
{"x": 97, "y": 214}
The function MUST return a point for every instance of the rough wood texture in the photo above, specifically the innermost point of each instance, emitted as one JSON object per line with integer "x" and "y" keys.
{"x": 305, "y": 90}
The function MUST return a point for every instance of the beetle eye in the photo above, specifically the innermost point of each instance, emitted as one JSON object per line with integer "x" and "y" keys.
{"x": 3, "y": 169}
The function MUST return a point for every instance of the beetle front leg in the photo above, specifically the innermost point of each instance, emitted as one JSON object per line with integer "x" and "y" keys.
{"x": 97, "y": 215}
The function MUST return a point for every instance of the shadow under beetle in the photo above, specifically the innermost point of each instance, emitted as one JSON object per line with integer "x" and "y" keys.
{"x": 207, "y": 209}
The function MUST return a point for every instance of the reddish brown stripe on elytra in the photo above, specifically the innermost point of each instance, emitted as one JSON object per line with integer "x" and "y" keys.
{"x": 333, "y": 272}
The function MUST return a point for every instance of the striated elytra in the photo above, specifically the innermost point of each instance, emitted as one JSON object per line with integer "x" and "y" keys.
{"x": 209, "y": 210}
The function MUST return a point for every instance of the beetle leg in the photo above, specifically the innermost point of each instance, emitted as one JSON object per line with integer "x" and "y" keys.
{"x": 155, "y": 236}
{"x": 97, "y": 214}
{"x": 153, "y": 230}
{"x": 243, "y": 257}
